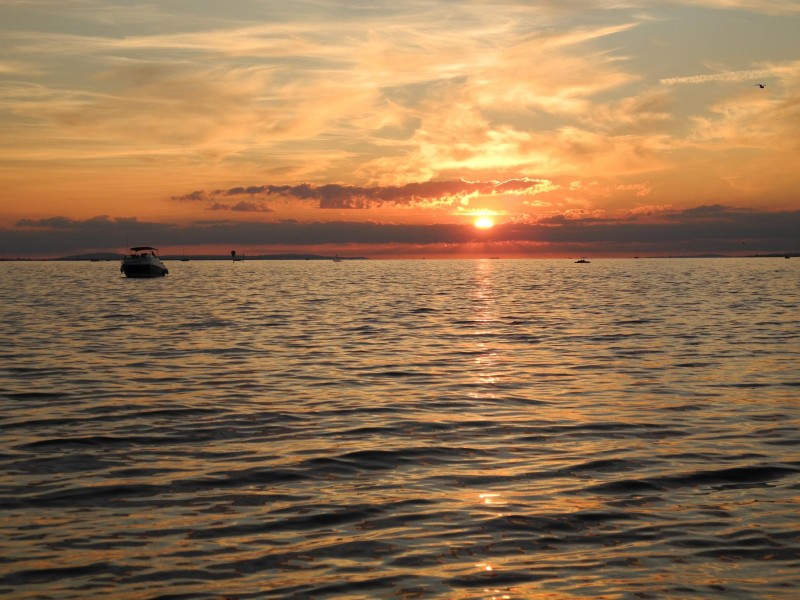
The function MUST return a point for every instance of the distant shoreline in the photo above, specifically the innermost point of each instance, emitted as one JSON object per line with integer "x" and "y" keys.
{"x": 110, "y": 256}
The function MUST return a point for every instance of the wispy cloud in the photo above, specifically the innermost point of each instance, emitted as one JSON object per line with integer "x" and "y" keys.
{"x": 369, "y": 103}
{"x": 292, "y": 83}
{"x": 749, "y": 75}
{"x": 768, "y": 7}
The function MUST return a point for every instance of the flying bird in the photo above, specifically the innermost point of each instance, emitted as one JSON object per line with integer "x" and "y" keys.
{"x": 760, "y": 85}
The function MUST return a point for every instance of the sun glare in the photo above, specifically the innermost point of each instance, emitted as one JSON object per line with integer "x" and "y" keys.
{"x": 484, "y": 223}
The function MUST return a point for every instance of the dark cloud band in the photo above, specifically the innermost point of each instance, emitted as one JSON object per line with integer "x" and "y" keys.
{"x": 334, "y": 195}
{"x": 701, "y": 229}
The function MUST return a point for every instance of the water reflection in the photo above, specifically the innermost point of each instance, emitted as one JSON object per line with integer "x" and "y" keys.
{"x": 492, "y": 498}
{"x": 410, "y": 429}
{"x": 484, "y": 317}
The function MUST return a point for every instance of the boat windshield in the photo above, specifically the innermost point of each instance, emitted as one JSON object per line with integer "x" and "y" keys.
{"x": 144, "y": 251}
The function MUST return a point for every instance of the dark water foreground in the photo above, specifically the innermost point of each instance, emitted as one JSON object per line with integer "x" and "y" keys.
{"x": 420, "y": 429}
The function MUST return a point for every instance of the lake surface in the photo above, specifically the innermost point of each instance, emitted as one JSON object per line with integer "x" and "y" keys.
{"x": 495, "y": 429}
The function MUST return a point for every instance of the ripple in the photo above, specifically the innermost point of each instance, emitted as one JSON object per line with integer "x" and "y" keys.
{"x": 429, "y": 429}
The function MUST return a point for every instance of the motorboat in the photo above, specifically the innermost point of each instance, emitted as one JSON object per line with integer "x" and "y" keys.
{"x": 143, "y": 261}
{"x": 583, "y": 260}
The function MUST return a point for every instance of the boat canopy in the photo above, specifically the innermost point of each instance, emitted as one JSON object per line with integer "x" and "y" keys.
{"x": 139, "y": 248}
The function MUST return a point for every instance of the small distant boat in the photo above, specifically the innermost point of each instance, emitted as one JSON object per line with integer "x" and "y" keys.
{"x": 143, "y": 261}
{"x": 583, "y": 260}
{"x": 337, "y": 259}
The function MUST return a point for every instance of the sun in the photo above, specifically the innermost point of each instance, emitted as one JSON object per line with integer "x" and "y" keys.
{"x": 484, "y": 223}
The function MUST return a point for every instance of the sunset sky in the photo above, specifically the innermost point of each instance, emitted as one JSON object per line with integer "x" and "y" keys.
{"x": 385, "y": 129}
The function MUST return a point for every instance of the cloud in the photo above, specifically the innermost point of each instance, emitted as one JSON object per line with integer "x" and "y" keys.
{"x": 768, "y": 7}
{"x": 711, "y": 210}
{"x": 651, "y": 210}
{"x": 735, "y": 76}
{"x": 641, "y": 189}
{"x": 68, "y": 224}
{"x": 321, "y": 89}
{"x": 350, "y": 196}
{"x": 195, "y": 196}
{"x": 708, "y": 228}
{"x": 380, "y": 97}
{"x": 242, "y": 206}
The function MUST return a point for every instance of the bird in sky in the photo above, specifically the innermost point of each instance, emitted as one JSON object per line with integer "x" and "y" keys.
{"x": 760, "y": 85}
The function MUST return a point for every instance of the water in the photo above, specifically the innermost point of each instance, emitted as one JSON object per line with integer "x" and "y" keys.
{"x": 411, "y": 429}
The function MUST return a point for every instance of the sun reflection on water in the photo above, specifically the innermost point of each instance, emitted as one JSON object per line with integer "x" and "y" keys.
{"x": 492, "y": 498}
{"x": 485, "y": 319}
